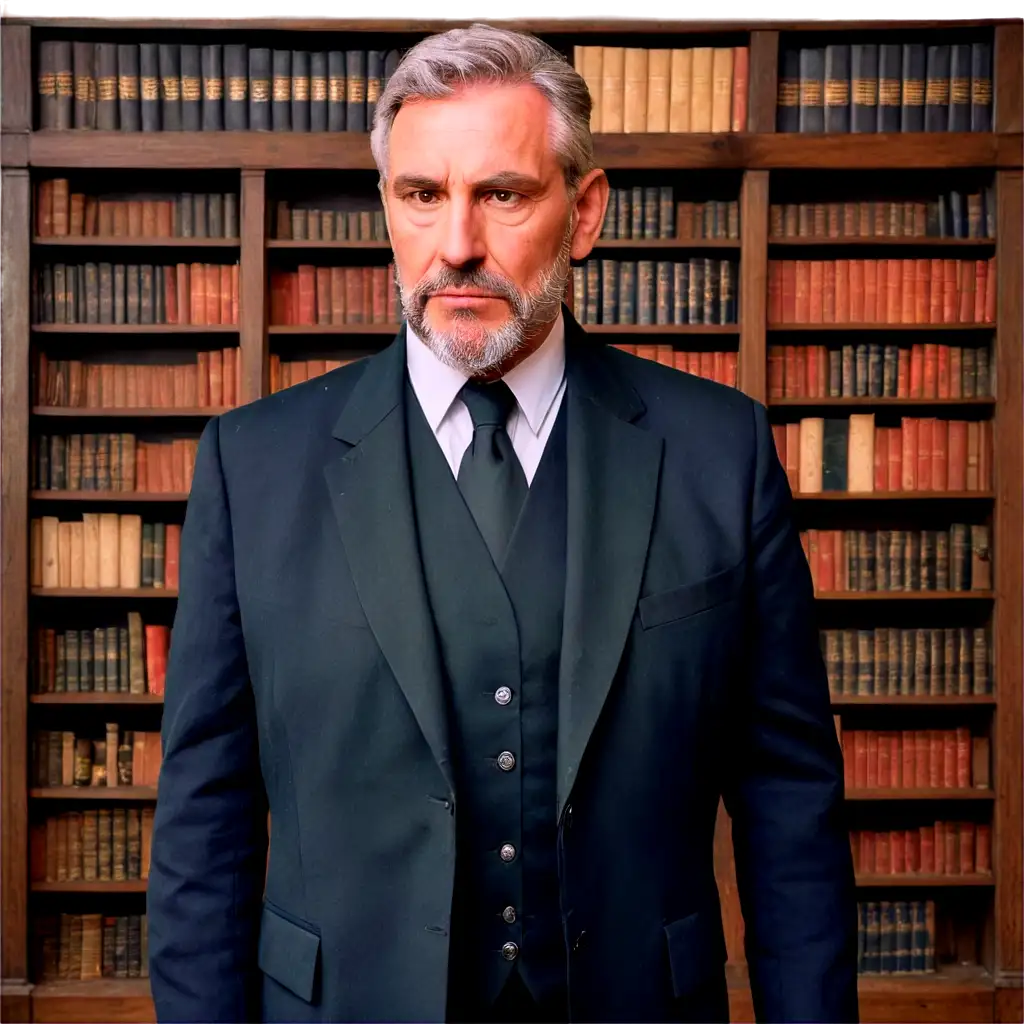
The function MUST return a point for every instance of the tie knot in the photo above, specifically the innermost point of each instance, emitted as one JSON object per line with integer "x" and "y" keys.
{"x": 489, "y": 404}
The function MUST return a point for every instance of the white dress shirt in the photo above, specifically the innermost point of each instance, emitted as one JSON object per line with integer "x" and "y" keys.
{"x": 538, "y": 383}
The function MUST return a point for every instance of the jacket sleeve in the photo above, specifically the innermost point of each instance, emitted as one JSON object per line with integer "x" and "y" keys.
{"x": 785, "y": 790}
{"x": 210, "y": 831}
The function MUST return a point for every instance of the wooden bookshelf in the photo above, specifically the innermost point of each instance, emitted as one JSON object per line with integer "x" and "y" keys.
{"x": 761, "y": 160}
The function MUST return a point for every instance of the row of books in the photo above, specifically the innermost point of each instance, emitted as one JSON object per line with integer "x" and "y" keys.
{"x": 334, "y": 295}
{"x": 153, "y": 87}
{"x": 950, "y": 661}
{"x": 868, "y": 369}
{"x": 654, "y": 212}
{"x": 942, "y": 848}
{"x": 952, "y": 215}
{"x": 919, "y": 291}
{"x": 313, "y": 224}
{"x": 119, "y": 293}
{"x": 129, "y": 657}
{"x": 121, "y": 757}
{"x": 105, "y": 845}
{"x": 697, "y": 291}
{"x": 213, "y": 380}
{"x": 286, "y": 372}
{"x": 111, "y": 462}
{"x": 84, "y": 947}
{"x": 855, "y": 456}
{"x": 866, "y": 87}
{"x": 896, "y": 937}
{"x": 61, "y": 213}
{"x": 104, "y": 549}
{"x": 697, "y": 89}
{"x": 911, "y": 561}
{"x": 720, "y": 367}
{"x": 915, "y": 759}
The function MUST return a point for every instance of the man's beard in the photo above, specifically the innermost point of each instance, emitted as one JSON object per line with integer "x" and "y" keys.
{"x": 482, "y": 350}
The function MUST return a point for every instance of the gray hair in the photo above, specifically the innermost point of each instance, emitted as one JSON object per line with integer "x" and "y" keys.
{"x": 436, "y": 66}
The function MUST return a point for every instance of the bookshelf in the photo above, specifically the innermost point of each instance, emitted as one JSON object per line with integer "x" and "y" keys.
{"x": 980, "y": 972}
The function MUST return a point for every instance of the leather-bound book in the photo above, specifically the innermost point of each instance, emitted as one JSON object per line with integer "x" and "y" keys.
{"x": 681, "y": 76}
{"x": 106, "y": 87}
{"x": 659, "y": 80}
{"x": 740, "y": 87}
{"x": 337, "y": 91}
{"x": 213, "y": 88}
{"x": 260, "y": 89}
{"x": 981, "y": 89}
{"x": 46, "y": 84}
{"x": 890, "y": 78}
{"x": 393, "y": 58}
{"x": 64, "y": 85}
{"x": 701, "y": 89}
{"x": 812, "y": 90}
{"x": 199, "y": 216}
{"x": 281, "y": 90}
{"x": 318, "y": 92}
{"x": 613, "y": 92}
{"x": 191, "y": 88}
{"x": 913, "y": 90}
{"x": 788, "y": 100}
{"x": 149, "y": 87}
{"x": 721, "y": 88}
{"x": 837, "y": 88}
{"x": 300, "y": 91}
{"x": 864, "y": 87}
{"x": 235, "y": 100}
{"x": 374, "y": 83}
{"x": 169, "y": 67}
{"x": 635, "y": 71}
{"x": 355, "y": 113}
{"x": 129, "y": 113}
{"x": 936, "y": 92}
{"x": 959, "y": 118}
{"x": 84, "y": 57}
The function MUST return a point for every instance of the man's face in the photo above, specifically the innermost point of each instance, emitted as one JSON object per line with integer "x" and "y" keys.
{"x": 480, "y": 222}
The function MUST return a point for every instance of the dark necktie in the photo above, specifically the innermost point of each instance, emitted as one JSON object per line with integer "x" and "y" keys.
{"x": 490, "y": 476}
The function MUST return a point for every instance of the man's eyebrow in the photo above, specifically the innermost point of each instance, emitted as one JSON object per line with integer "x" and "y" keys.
{"x": 502, "y": 179}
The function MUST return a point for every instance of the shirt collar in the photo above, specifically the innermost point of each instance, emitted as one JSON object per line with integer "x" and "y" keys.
{"x": 535, "y": 381}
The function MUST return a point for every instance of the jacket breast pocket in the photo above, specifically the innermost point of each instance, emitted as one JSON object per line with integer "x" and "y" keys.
{"x": 690, "y": 598}
{"x": 289, "y": 952}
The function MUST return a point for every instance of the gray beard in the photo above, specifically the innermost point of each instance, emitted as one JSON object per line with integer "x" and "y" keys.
{"x": 483, "y": 350}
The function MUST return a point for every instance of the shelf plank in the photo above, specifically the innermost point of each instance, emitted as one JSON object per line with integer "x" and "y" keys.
{"x": 781, "y": 327}
{"x": 119, "y": 592}
{"x": 326, "y": 243}
{"x": 135, "y": 328}
{"x": 340, "y": 151}
{"x": 850, "y": 700}
{"x": 866, "y": 401}
{"x": 133, "y": 793}
{"x": 937, "y": 793}
{"x": 147, "y": 413}
{"x": 886, "y": 241}
{"x": 129, "y": 885}
{"x": 391, "y": 329}
{"x": 96, "y": 697}
{"x": 896, "y": 496}
{"x": 925, "y": 881}
{"x": 667, "y": 243}
{"x": 105, "y": 496}
{"x": 905, "y": 595}
{"x": 109, "y": 999}
{"x": 722, "y": 329}
{"x": 133, "y": 242}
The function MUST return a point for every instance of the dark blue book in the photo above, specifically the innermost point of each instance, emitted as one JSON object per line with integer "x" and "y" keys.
{"x": 936, "y": 89}
{"x": 912, "y": 94}
{"x": 959, "y": 88}
{"x": 864, "y": 75}
{"x": 890, "y": 81}
{"x": 787, "y": 118}
{"x": 835, "y": 445}
{"x": 837, "y": 88}
{"x": 981, "y": 87}
{"x": 812, "y": 89}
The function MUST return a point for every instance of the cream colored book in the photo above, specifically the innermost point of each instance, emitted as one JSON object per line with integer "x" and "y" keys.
{"x": 110, "y": 550}
{"x": 700, "y": 90}
{"x": 131, "y": 552}
{"x": 612, "y": 88}
{"x": 860, "y": 454}
{"x": 659, "y": 72}
{"x": 681, "y": 74}
{"x": 51, "y": 552}
{"x": 593, "y": 61}
{"x": 91, "y": 550}
{"x": 64, "y": 554}
{"x": 77, "y": 555}
{"x": 812, "y": 442}
{"x": 721, "y": 89}
{"x": 635, "y": 77}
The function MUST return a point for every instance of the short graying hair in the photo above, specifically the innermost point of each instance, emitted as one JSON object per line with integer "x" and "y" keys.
{"x": 438, "y": 65}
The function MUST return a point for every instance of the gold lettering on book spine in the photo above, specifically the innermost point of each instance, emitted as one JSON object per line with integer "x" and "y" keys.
{"x": 981, "y": 91}
{"x": 865, "y": 92}
{"x": 47, "y": 84}
{"x": 913, "y": 92}
{"x": 260, "y": 90}
{"x": 960, "y": 90}
{"x": 190, "y": 87}
{"x": 150, "y": 88}
{"x": 936, "y": 93}
{"x": 337, "y": 89}
{"x": 889, "y": 92}
{"x": 837, "y": 92}
{"x": 106, "y": 88}
{"x": 372, "y": 90}
{"x": 282, "y": 88}
{"x": 238, "y": 88}
{"x": 170, "y": 88}
{"x": 789, "y": 93}
{"x": 213, "y": 88}
{"x": 65, "y": 83}
{"x": 85, "y": 89}
{"x": 128, "y": 87}
{"x": 810, "y": 93}
{"x": 300, "y": 89}
{"x": 356, "y": 90}
{"x": 318, "y": 89}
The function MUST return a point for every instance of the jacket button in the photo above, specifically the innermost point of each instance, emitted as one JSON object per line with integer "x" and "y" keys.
{"x": 506, "y": 760}
{"x": 508, "y": 915}
{"x": 502, "y": 694}
{"x": 510, "y": 951}
{"x": 507, "y": 852}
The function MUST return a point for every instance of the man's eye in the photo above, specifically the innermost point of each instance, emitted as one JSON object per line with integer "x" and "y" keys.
{"x": 504, "y": 196}
{"x": 423, "y": 198}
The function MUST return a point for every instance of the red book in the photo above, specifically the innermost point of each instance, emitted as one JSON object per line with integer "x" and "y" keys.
{"x": 855, "y": 849}
{"x": 860, "y": 759}
{"x": 927, "y": 860}
{"x": 871, "y": 755}
{"x": 903, "y": 373}
{"x": 935, "y": 292}
{"x": 170, "y": 284}
{"x": 916, "y": 372}
{"x": 962, "y": 753}
{"x": 212, "y": 290}
{"x": 692, "y": 363}
{"x": 894, "y": 480}
{"x": 980, "y": 284}
{"x": 909, "y": 446}
{"x": 924, "y": 453}
{"x": 908, "y": 291}
{"x": 942, "y": 362}
{"x": 912, "y": 850}
{"x": 203, "y": 379}
{"x": 934, "y": 758}
{"x": 940, "y": 847}
{"x": 776, "y": 371}
{"x": 156, "y": 657}
{"x": 990, "y": 292}
{"x": 740, "y": 74}
{"x": 731, "y": 368}
{"x": 235, "y": 292}
{"x": 856, "y": 294}
{"x": 868, "y": 851}
{"x": 812, "y": 554}
{"x": 394, "y": 302}
{"x": 280, "y": 302}
{"x": 955, "y": 371}
{"x": 353, "y": 295}
{"x": 707, "y": 365}
{"x": 967, "y": 837}
{"x": 197, "y": 294}
{"x": 793, "y": 456}
{"x": 379, "y": 284}
{"x": 226, "y": 287}
{"x": 884, "y": 760}
{"x": 367, "y": 275}
{"x": 930, "y": 384}
{"x": 828, "y": 292}
{"x": 985, "y": 455}
{"x": 323, "y": 295}
{"x": 719, "y": 363}
{"x": 897, "y": 851}
{"x": 949, "y": 291}
{"x": 951, "y": 835}
{"x": 826, "y": 561}
{"x": 871, "y": 289}
{"x": 801, "y": 370}
{"x": 922, "y": 293}
{"x": 775, "y": 292}
{"x": 228, "y": 383}
{"x": 983, "y": 850}
{"x": 881, "y": 458}
{"x": 965, "y": 282}
{"x": 957, "y": 462}
{"x": 896, "y": 759}
{"x": 949, "y": 758}
{"x": 307, "y": 294}
{"x": 893, "y": 289}
{"x": 883, "y": 854}
{"x": 847, "y": 744}
{"x": 789, "y": 292}
{"x": 803, "y": 292}
{"x": 216, "y": 378}
{"x": 792, "y": 379}
{"x": 841, "y": 284}
{"x": 940, "y": 455}
{"x": 922, "y": 757}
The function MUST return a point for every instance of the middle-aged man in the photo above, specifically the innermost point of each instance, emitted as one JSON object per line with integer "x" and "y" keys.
{"x": 490, "y": 621}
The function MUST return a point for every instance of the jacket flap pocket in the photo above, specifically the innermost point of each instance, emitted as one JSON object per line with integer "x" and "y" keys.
{"x": 696, "y": 950}
{"x": 690, "y": 598}
{"x": 288, "y": 953}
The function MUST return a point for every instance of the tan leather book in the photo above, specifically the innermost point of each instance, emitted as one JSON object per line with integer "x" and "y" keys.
{"x": 635, "y": 78}
{"x": 147, "y": 840}
{"x": 659, "y": 76}
{"x": 182, "y": 286}
{"x": 700, "y": 89}
{"x": 216, "y": 378}
{"x": 212, "y": 293}
{"x": 165, "y": 218}
{"x": 105, "y": 227}
{"x": 149, "y": 218}
{"x": 203, "y": 379}
{"x": 226, "y": 316}
{"x": 51, "y": 552}
{"x": 110, "y": 550}
{"x": 92, "y": 211}
{"x": 61, "y": 207}
{"x": 593, "y": 63}
{"x": 120, "y": 218}
{"x": 120, "y": 386}
{"x": 130, "y": 551}
{"x": 36, "y": 549}
{"x": 76, "y": 214}
{"x": 613, "y": 97}
{"x": 64, "y": 554}
{"x": 337, "y": 295}
{"x": 812, "y": 441}
{"x": 111, "y": 748}
{"x": 91, "y": 550}
{"x": 77, "y": 555}
{"x": 44, "y": 209}
{"x": 92, "y": 946}
{"x": 721, "y": 89}
{"x": 134, "y": 218}
{"x": 860, "y": 457}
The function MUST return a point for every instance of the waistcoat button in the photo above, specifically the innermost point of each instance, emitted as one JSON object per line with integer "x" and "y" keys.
{"x": 510, "y": 951}
{"x": 502, "y": 694}
{"x": 508, "y": 915}
{"x": 506, "y": 760}
{"x": 507, "y": 852}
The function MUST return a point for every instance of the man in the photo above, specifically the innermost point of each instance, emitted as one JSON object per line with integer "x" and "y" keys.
{"x": 489, "y": 622}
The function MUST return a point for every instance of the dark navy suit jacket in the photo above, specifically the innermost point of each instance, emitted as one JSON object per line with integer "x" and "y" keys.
{"x": 304, "y": 677}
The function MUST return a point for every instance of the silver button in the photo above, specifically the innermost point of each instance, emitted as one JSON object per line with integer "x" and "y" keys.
{"x": 506, "y": 760}
{"x": 510, "y": 951}
{"x": 507, "y": 852}
{"x": 508, "y": 915}
{"x": 502, "y": 694}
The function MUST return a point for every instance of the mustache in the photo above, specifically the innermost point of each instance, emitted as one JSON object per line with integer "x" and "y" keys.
{"x": 478, "y": 279}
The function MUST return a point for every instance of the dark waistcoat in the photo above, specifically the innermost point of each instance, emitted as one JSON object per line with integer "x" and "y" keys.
{"x": 498, "y": 627}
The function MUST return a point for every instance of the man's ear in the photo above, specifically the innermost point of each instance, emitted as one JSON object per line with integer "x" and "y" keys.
{"x": 589, "y": 207}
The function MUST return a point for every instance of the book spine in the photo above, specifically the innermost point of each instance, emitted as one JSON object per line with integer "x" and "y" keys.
{"x": 170, "y": 87}
{"x": 64, "y": 85}
{"x": 149, "y": 86}
{"x": 318, "y": 92}
{"x": 213, "y": 88}
{"x": 236, "y": 87}
{"x": 191, "y": 88}
{"x": 260, "y": 89}
{"x": 300, "y": 91}
{"x": 337, "y": 91}
{"x": 890, "y": 76}
{"x": 788, "y": 99}
{"x": 864, "y": 73}
{"x": 281, "y": 101}
{"x": 84, "y": 57}
{"x": 374, "y": 82}
{"x": 128, "y": 87}
{"x": 812, "y": 90}
{"x": 355, "y": 107}
{"x": 936, "y": 92}
{"x": 837, "y": 88}
{"x": 959, "y": 88}
{"x": 913, "y": 91}
{"x": 981, "y": 89}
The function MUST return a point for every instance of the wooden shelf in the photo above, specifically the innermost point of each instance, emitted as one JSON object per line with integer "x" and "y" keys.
{"x": 107, "y": 496}
{"x": 905, "y": 595}
{"x": 390, "y": 329}
{"x": 135, "y": 328}
{"x": 120, "y": 592}
{"x": 342, "y": 151}
{"x": 849, "y": 700}
{"x": 903, "y": 241}
{"x": 326, "y": 243}
{"x": 723, "y": 329}
{"x": 867, "y": 401}
{"x": 148, "y": 413}
{"x": 937, "y": 793}
{"x": 896, "y": 496}
{"x": 133, "y": 793}
{"x": 108, "y": 999}
{"x": 129, "y": 885}
{"x": 96, "y": 697}
{"x": 881, "y": 327}
{"x": 134, "y": 242}
{"x": 667, "y": 243}
{"x": 925, "y": 881}
{"x": 947, "y": 979}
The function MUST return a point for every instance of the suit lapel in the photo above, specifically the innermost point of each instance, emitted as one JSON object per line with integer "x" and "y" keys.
{"x": 613, "y": 470}
{"x": 369, "y": 488}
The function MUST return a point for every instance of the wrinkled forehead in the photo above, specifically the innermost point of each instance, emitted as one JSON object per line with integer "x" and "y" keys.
{"x": 479, "y": 131}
